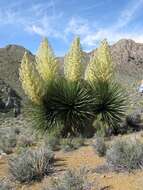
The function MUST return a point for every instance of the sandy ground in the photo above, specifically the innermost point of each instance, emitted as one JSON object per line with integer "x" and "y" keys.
{"x": 85, "y": 156}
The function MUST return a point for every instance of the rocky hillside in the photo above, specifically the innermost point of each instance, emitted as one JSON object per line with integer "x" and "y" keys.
{"x": 10, "y": 59}
{"x": 127, "y": 56}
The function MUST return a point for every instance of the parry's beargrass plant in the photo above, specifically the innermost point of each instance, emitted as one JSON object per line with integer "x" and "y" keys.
{"x": 73, "y": 67}
{"x": 109, "y": 104}
{"x": 46, "y": 62}
{"x": 101, "y": 67}
{"x": 71, "y": 101}
{"x": 31, "y": 165}
{"x": 30, "y": 79}
{"x": 66, "y": 104}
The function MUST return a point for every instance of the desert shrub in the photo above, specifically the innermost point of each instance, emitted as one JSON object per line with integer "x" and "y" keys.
{"x": 66, "y": 103}
{"x": 31, "y": 165}
{"x": 125, "y": 155}
{"x": 53, "y": 142}
{"x": 73, "y": 180}
{"x": 110, "y": 103}
{"x": 100, "y": 146}
{"x": 133, "y": 121}
{"x": 52, "y": 139}
{"x": 17, "y": 131}
{"x": 78, "y": 141}
{"x": 25, "y": 141}
{"x": 7, "y": 143}
{"x": 20, "y": 149}
{"x": 5, "y": 186}
{"x": 69, "y": 144}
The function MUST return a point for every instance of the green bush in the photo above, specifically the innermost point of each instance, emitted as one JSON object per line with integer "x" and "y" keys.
{"x": 31, "y": 165}
{"x": 100, "y": 146}
{"x": 71, "y": 180}
{"x": 67, "y": 104}
{"x": 125, "y": 155}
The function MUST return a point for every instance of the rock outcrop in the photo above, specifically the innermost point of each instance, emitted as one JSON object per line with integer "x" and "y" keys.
{"x": 9, "y": 99}
{"x": 10, "y": 60}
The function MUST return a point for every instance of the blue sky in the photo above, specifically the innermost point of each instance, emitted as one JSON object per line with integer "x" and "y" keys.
{"x": 25, "y": 22}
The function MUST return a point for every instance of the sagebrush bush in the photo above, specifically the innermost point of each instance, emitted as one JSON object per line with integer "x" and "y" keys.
{"x": 5, "y": 186}
{"x": 53, "y": 142}
{"x": 78, "y": 141}
{"x": 7, "y": 143}
{"x": 100, "y": 146}
{"x": 125, "y": 155}
{"x": 25, "y": 140}
{"x": 69, "y": 144}
{"x": 71, "y": 180}
{"x": 31, "y": 165}
{"x": 133, "y": 121}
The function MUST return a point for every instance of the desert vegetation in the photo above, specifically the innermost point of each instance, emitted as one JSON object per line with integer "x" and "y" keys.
{"x": 77, "y": 114}
{"x": 72, "y": 102}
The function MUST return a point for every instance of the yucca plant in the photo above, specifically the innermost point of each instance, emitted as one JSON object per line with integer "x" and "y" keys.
{"x": 46, "y": 62}
{"x": 66, "y": 103}
{"x": 30, "y": 79}
{"x": 109, "y": 104}
{"x": 100, "y": 66}
{"x": 73, "y": 62}
{"x": 71, "y": 103}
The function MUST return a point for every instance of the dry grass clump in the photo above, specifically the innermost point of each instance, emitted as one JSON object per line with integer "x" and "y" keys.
{"x": 100, "y": 146}
{"x": 125, "y": 155}
{"x": 69, "y": 144}
{"x": 31, "y": 165}
{"x": 71, "y": 180}
{"x": 5, "y": 186}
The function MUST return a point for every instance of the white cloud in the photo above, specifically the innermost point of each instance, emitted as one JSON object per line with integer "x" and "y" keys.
{"x": 38, "y": 19}
{"x": 43, "y": 20}
{"x": 128, "y": 13}
{"x": 77, "y": 26}
{"x": 92, "y": 34}
{"x": 36, "y": 29}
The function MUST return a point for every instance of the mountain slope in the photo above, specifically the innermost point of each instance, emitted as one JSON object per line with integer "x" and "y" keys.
{"x": 10, "y": 59}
